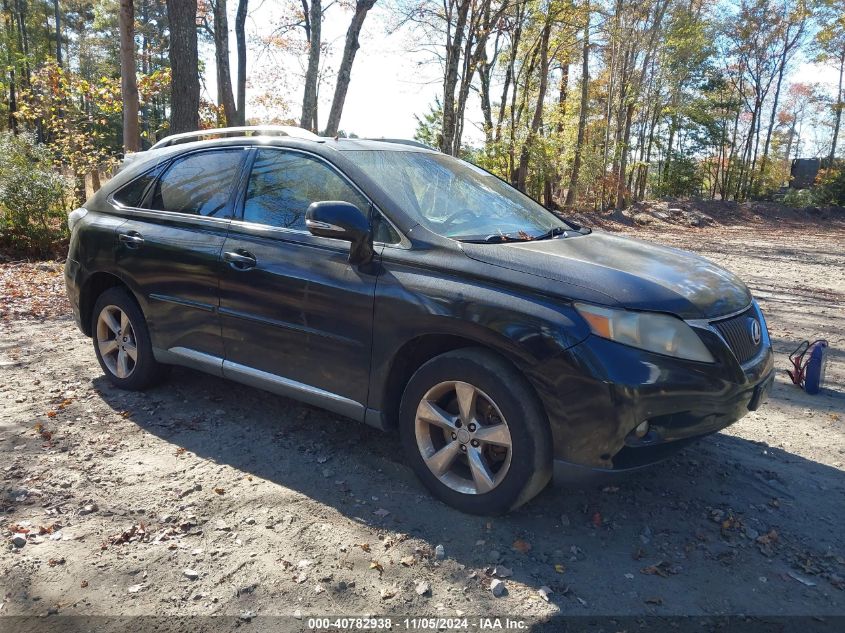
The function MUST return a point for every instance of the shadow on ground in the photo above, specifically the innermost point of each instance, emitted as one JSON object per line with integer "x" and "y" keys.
{"x": 728, "y": 526}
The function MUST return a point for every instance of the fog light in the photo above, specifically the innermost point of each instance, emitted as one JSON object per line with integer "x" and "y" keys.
{"x": 642, "y": 429}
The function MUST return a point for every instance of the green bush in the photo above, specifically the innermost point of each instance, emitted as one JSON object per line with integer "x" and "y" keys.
{"x": 798, "y": 198}
{"x": 830, "y": 186}
{"x": 828, "y": 190}
{"x": 32, "y": 215}
{"x": 682, "y": 178}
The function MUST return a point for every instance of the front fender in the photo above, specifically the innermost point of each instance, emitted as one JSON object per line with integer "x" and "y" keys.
{"x": 523, "y": 327}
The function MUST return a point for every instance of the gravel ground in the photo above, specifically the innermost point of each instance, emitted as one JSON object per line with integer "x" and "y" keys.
{"x": 206, "y": 497}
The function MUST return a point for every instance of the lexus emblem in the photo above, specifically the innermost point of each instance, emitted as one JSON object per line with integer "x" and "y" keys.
{"x": 754, "y": 330}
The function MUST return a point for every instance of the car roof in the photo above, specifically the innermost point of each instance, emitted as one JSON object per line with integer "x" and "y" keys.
{"x": 161, "y": 151}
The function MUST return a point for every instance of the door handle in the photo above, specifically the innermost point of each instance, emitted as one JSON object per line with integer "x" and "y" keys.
{"x": 243, "y": 260}
{"x": 132, "y": 239}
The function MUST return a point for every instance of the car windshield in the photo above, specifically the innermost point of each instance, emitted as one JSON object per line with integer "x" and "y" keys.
{"x": 456, "y": 199}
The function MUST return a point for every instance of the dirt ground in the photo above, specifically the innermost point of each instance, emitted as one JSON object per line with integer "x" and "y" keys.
{"x": 206, "y": 497}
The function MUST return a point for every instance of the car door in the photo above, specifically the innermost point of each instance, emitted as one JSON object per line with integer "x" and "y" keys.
{"x": 169, "y": 247}
{"x": 296, "y": 315}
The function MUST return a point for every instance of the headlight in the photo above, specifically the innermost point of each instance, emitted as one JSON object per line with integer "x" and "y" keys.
{"x": 75, "y": 216}
{"x": 650, "y": 331}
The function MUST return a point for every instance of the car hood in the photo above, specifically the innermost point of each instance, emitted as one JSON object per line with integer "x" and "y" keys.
{"x": 633, "y": 273}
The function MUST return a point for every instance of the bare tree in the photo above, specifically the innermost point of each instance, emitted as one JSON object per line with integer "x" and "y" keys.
{"x": 344, "y": 75}
{"x": 128, "y": 83}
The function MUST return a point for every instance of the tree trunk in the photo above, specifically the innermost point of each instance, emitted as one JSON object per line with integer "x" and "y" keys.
{"x": 221, "y": 54}
{"x": 184, "y": 80}
{"x": 23, "y": 37}
{"x": 623, "y": 159}
{"x": 13, "y": 102}
{"x": 344, "y": 74}
{"x": 582, "y": 114}
{"x": 313, "y": 24}
{"x": 839, "y": 104}
{"x": 454, "y": 46}
{"x": 771, "y": 127}
{"x": 537, "y": 119}
{"x": 509, "y": 72}
{"x": 240, "y": 35}
{"x": 128, "y": 85}
{"x": 58, "y": 17}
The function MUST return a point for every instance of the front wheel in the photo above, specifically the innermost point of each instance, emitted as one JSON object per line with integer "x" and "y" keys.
{"x": 475, "y": 433}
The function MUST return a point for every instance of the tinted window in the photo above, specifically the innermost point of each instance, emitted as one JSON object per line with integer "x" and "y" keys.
{"x": 132, "y": 195}
{"x": 199, "y": 184}
{"x": 283, "y": 184}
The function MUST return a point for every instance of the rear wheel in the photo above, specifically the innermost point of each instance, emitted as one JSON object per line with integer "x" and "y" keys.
{"x": 475, "y": 433}
{"x": 122, "y": 341}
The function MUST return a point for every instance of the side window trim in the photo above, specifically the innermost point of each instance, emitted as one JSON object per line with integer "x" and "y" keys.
{"x": 240, "y": 203}
{"x": 243, "y": 186}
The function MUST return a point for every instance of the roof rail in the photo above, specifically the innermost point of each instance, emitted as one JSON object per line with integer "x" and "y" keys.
{"x": 402, "y": 141}
{"x": 246, "y": 130}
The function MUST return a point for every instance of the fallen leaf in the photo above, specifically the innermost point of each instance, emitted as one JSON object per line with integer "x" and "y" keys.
{"x": 597, "y": 520}
{"x": 377, "y": 566}
{"x": 364, "y": 546}
{"x": 407, "y": 561}
{"x": 559, "y": 568}
{"x": 219, "y": 491}
{"x": 387, "y": 593}
{"x": 663, "y": 569}
{"x": 522, "y": 546}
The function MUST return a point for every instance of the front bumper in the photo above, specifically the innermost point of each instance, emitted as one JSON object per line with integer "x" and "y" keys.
{"x": 73, "y": 273}
{"x": 599, "y": 391}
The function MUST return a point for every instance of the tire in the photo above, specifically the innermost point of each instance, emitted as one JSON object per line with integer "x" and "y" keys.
{"x": 125, "y": 372}
{"x": 511, "y": 475}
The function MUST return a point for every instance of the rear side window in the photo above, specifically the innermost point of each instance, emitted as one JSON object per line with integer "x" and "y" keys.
{"x": 199, "y": 184}
{"x": 132, "y": 195}
{"x": 283, "y": 184}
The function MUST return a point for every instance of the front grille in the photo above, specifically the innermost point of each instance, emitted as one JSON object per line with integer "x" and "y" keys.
{"x": 737, "y": 332}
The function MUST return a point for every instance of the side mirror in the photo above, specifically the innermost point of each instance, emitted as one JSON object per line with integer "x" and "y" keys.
{"x": 342, "y": 221}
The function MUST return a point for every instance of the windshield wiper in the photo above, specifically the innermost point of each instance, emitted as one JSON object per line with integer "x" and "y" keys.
{"x": 495, "y": 238}
{"x": 558, "y": 230}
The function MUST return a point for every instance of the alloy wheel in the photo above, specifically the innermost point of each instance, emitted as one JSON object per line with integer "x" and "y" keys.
{"x": 116, "y": 341}
{"x": 463, "y": 437}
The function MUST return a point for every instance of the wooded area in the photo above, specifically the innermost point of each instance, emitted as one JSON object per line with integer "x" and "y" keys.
{"x": 583, "y": 103}
{"x": 605, "y": 103}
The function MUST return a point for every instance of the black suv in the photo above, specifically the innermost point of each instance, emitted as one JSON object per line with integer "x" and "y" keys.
{"x": 408, "y": 289}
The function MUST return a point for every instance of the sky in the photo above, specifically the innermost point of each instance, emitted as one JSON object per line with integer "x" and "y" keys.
{"x": 391, "y": 81}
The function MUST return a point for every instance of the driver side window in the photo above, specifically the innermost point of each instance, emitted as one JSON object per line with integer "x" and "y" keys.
{"x": 283, "y": 184}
